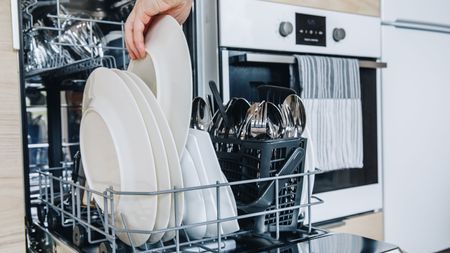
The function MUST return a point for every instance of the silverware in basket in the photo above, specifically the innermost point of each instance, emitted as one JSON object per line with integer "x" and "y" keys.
{"x": 294, "y": 116}
{"x": 236, "y": 113}
{"x": 263, "y": 121}
{"x": 260, "y": 120}
{"x": 251, "y": 114}
{"x": 201, "y": 117}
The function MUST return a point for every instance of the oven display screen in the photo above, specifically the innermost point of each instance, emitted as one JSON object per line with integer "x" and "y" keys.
{"x": 310, "y": 30}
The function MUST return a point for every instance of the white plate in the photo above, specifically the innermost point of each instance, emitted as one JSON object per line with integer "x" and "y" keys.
{"x": 116, "y": 152}
{"x": 86, "y": 92}
{"x": 209, "y": 194}
{"x": 214, "y": 172}
{"x": 310, "y": 165}
{"x": 176, "y": 177}
{"x": 159, "y": 154}
{"x": 195, "y": 211}
{"x": 167, "y": 70}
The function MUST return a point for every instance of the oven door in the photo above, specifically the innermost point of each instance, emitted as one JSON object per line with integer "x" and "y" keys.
{"x": 346, "y": 192}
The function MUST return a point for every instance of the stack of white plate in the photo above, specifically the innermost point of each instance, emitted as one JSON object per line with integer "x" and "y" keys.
{"x": 134, "y": 127}
{"x": 200, "y": 157}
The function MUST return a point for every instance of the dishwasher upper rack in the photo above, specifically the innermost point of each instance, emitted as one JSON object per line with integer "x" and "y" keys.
{"x": 66, "y": 211}
{"x": 61, "y": 63}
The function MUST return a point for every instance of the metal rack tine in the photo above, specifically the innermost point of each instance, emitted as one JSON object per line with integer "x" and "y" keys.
{"x": 99, "y": 214}
{"x": 177, "y": 232}
{"x": 187, "y": 236}
{"x": 308, "y": 178}
{"x": 128, "y": 234}
{"x": 113, "y": 219}
{"x": 219, "y": 234}
{"x": 277, "y": 206}
{"x": 89, "y": 232}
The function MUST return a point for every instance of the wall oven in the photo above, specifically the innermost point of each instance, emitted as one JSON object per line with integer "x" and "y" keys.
{"x": 242, "y": 44}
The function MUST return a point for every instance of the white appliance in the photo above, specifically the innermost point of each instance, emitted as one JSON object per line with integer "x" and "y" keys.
{"x": 416, "y": 124}
{"x": 244, "y": 40}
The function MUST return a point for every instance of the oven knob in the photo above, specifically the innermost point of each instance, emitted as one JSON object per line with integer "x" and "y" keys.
{"x": 338, "y": 34}
{"x": 286, "y": 28}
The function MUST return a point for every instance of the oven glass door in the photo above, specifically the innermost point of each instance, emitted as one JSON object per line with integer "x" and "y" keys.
{"x": 245, "y": 77}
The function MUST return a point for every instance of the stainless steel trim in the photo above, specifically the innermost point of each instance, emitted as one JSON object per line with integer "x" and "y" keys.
{"x": 70, "y": 144}
{"x": 288, "y": 59}
{"x": 207, "y": 39}
{"x": 38, "y": 145}
{"x": 225, "y": 76}
{"x": 15, "y": 25}
{"x": 372, "y": 64}
{"x": 416, "y": 25}
{"x": 258, "y": 57}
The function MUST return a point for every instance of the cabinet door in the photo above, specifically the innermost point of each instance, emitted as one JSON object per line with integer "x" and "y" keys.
{"x": 363, "y": 7}
{"x": 430, "y": 11}
{"x": 416, "y": 139}
{"x": 12, "y": 229}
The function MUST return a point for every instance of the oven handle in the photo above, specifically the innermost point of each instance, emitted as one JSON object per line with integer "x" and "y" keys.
{"x": 288, "y": 59}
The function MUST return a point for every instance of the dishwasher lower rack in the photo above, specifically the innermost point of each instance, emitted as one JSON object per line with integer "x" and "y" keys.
{"x": 64, "y": 212}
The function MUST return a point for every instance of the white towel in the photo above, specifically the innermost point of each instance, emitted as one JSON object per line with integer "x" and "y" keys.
{"x": 332, "y": 97}
{"x": 310, "y": 166}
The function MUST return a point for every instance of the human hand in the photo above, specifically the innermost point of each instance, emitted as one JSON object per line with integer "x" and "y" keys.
{"x": 141, "y": 16}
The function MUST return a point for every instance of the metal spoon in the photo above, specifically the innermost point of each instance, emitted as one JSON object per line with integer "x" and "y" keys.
{"x": 257, "y": 124}
{"x": 274, "y": 121}
{"x": 266, "y": 121}
{"x": 251, "y": 113}
{"x": 236, "y": 112}
{"x": 201, "y": 117}
{"x": 295, "y": 116}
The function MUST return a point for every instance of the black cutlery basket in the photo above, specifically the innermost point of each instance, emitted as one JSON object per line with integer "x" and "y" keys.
{"x": 253, "y": 159}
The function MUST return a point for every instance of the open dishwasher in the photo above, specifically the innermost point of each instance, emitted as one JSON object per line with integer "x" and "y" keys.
{"x": 63, "y": 42}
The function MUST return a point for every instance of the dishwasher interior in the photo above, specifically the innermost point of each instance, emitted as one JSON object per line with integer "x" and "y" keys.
{"x": 62, "y": 42}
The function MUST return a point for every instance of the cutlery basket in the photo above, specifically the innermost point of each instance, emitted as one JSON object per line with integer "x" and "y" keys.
{"x": 254, "y": 159}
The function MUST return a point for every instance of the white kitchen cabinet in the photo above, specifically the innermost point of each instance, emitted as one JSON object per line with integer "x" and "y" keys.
{"x": 416, "y": 136}
{"x": 430, "y": 11}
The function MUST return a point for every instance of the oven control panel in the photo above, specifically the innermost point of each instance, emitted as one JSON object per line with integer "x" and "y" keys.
{"x": 269, "y": 26}
{"x": 310, "y": 30}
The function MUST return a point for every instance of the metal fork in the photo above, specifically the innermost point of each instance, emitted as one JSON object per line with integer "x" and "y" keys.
{"x": 258, "y": 124}
{"x": 288, "y": 124}
{"x": 273, "y": 129}
{"x": 250, "y": 117}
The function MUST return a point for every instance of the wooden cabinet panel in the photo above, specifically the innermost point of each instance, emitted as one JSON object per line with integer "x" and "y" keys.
{"x": 363, "y": 7}
{"x": 12, "y": 228}
{"x": 367, "y": 225}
